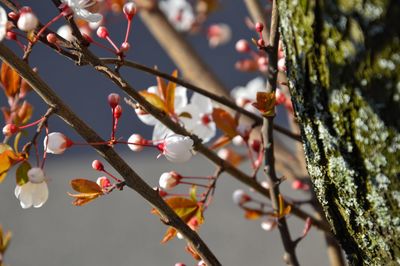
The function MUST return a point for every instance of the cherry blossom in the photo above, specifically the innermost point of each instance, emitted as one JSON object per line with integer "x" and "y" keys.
{"x": 56, "y": 143}
{"x": 240, "y": 197}
{"x": 3, "y": 23}
{"x": 200, "y": 121}
{"x": 137, "y": 139}
{"x": 179, "y": 13}
{"x": 219, "y": 34}
{"x": 80, "y": 11}
{"x": 35, "y": 192}
{"x": 177, "y": 148}
{"x": 27, "y": 20}
{"x": 246, "y": 95}
{"x": 169, "y": 180}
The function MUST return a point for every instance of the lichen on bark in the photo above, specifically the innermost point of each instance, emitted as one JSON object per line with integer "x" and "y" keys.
{"x": 343, "y": 60}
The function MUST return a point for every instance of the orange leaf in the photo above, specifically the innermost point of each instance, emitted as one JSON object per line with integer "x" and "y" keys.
{"x": 154, "y": 100}
{"x": 266, "y": 103}
{"x": 7, "y": 159}
{"x": 170, "y": 94}
{"x": 10, "y": 80}
{"x": 86, "y": 186}
{"x": 24, "y": 113}
{"x": 192, "y": 252}
{"x": 221, "y": 142}
{"x": 225, "y": 122}
{"x": 283, "y": 210}
{"x": 183, "y": 207}
{"x": 234, "y": 158}
{"x": 84, "y": 198}
{"x": 252, "y": 214}
{"x": 170, "y": 234}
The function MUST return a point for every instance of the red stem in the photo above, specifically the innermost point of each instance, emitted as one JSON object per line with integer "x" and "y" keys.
{"x": 128, "y": 29}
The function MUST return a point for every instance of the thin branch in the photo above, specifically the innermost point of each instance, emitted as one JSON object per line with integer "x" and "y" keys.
{"x": 220, "y": 99}
{"x": 133, "y": 180}
{"x": 289, "y": 246}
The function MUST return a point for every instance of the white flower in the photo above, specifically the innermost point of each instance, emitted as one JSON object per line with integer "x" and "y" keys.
{"x": 35, "y": 192}
{"x": 27, "y": 20}
{"x": 169, "y": 180}
{"x": 138, "y": 139}
{"x": 245, "y": 96}
{"x": 177, "y": 148}
{"x": 65, "y": 31}
{"x": 268, "y": 225}
{"x": 56, "y": 143}
{"x": 240, "y": 197}
{"x": 200, "y": 121}
{"x": 79, "y": 9}
{"x": 179, "y": 13}
{"x": 3, "y": 23}
{"x": 219, "y": 34}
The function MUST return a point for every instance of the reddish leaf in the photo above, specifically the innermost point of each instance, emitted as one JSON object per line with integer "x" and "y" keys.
{"x": 24, "y": 113}
{"x": 7, "y": 159}
{"x": 86, "y": 186}
{"x": 10, "y": 80}
{"x": 192, "y": 252}
{"x": 154, "y": 100}
{"x": 225, "y": 122}
{"x": 220, "y": 142}
{"x": 84, "y": 198}
{"x": 266, "y": 103}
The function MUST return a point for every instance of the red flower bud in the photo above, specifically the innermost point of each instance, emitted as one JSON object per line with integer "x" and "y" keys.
{"x": 113, "y": 100}
{"x": 117, "y": 111}
{"x": 97, "y": 165}
{"x": 259, "y": 27}
{"x": 102, "y": 32}
{"x": 130, "y": 10}
{"x": 10, "y": 129}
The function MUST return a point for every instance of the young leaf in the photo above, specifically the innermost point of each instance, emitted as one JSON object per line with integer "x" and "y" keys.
{"x": 283, "y": 210}
{"x": 170, "y": 234}
{"x": 170, "y": 94}
{"x": 225, "y": 122}
{"x": 266, "y": 103}
{"x": 84, "y": 198}
{"x": 154, "y": 100}
{"x": 253, "y": 214}
{"x": 192, "y": 252}
{"x": 7, "y": 159}
{"x": 85, "y": 186}
{"x": 192, "y": 193}
{"x": 221, "y": 142}
{"x": 10, "y": 80}
{"x": 21, "y": 173}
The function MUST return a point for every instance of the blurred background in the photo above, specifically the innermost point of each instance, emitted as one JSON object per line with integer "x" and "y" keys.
{"x": 119, "y": 229}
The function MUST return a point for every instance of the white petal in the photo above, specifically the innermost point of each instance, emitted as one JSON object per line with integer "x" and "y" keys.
{"x": 202, "y": 102}
{"x": 88, "y": 16}
{"x": 3, "y": 23}
{"x": 40, "y": 194}
{"x": 25, "y": 195}
{"x": 181, "y": 99}
{"x": 147, "y": 119}
{"x": 36, "y": 175}
{"x": 161, "y": 132}
{"x": 17, "y": 191}
{"x": 205, "y": 132}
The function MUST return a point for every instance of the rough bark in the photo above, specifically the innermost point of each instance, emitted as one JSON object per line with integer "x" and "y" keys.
{"x": 343, "y": 60}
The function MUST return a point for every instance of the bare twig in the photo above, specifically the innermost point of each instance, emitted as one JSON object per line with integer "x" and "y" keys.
{"x": 289, "y": 246}
{"x": 133, "y": 180}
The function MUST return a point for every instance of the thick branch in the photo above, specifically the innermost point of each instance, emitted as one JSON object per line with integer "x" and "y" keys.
{"x": 133, "y": 180}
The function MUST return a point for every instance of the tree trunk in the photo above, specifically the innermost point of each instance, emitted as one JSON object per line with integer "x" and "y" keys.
{"x": 343, "y": 59}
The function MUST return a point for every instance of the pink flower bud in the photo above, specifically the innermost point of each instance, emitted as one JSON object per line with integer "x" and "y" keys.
{"x": 97, "y": 165}
{"x": 137, "y": 139}
{"x": 282, "y": 64}
{"x": 102, "y": 32}
{"x": 113, "y": 99}
{"x": 260, "y": 43}
{"x": 125, "y": 46}
{"x": 51, "y": 38}
{"x": 259, "y": 27}
{"x": 11, "y": 36}
{"x": 239, "y": 197}
{"x": 10, "y": 129}
{"x": 169, "y": 180}
{"x": 117, "y": 111}
{"x": 103, "y": 182}
{"x": 242, "y": 46}
{"x": 56, "y": 143}
{"x": 280, "y": 97}
{"x": 130, "y": 10}
{"x": 27, "y": 20}
{"x": 177, "y": 148}
{"x": 299, "y": 185}
{"x": 268, "y": 225}
{"x": 179, "y": 264}
{"x": 218, "y": 34}
{"x": 201, "y": 263}
{"x": 13, "y": 16}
